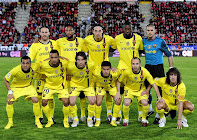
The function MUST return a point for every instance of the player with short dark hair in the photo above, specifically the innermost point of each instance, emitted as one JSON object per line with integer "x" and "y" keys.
{"x": 174, "y": 91}
{"x": 134, "y": 87}
{"x": 81, "y": 81}
{"x": 21, "y": 85}
{"x": 106, "y": 80}
{"x": 68, "y": 47}
{"x": 154, "y": 48}
{"x": 55, "y": 72}
{"x": 98, "y": 46}
{"x": 129, "y": 45}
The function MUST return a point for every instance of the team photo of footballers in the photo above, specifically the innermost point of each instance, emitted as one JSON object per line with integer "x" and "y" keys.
{"x": 70, "y": 67}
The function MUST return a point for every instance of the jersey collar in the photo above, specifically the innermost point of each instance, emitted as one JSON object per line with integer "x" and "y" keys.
{"x": 129, "y": 37}
{"x": 43, "y": 43}
{"x": 53, "y": 66}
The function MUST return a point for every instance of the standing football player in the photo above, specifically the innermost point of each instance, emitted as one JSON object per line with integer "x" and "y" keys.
{"x": 154, "y": 48}
{"x": 129, "y": 45}
{"x": 98, "y": 46}
{"x": 40, "y": 52}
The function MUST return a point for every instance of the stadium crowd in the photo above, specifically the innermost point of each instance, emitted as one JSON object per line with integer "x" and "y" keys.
{"x": 8, "y": 34}
{"x": 176, "y": 22}
{"x": 113, "y": 15}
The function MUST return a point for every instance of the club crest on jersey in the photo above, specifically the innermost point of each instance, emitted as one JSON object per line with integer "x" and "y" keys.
{"x": 98, "y": 46}
{"x": 154, "y": 45}
{"x": 127, "y": 43}
{"x": 56, "y": 71}
{"x": 71, "y": 44}
{"x": 149, "y": 46}
{"x": 105, "y": 80}
{"x": 46, "y": 48}
{"x": 81, "y": 73}
{"x": 126, "y": 92}
{"x": 27, "y": 76}
{"x": 99, "y": 91}
{"x": 171, "y": 90}
{"x": 136, "y": 78}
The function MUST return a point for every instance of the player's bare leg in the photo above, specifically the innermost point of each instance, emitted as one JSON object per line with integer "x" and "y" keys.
{"x": 73, "y": 109}
{"x": 36, "y": 110}
{"x": 98, "y": 109}
{"x": 91, "y": 110}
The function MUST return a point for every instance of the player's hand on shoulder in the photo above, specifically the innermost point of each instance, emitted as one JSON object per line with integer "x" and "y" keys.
{"x": 64, "y": 58}
{"x": 114, "y": 69}
{"x": 143, "y": 93}
{"x": 161, "y": 100}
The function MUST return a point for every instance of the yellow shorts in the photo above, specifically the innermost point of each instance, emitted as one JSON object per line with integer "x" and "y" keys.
{"x": 172, "y": 106}
{"x": 102, "y": 91}
{"x": 49, "y": 93}
{"x": 28, "y": 92}
{"x": 39, "y": 85}
{"x": 75, "y": 91}
{"x": 129, "y": 94}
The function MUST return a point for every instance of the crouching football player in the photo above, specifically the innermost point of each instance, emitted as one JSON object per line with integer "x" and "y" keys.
{"x": 135, "y": 87}
{"x": 106, "y": 80}
{"x": 21, "y": 85}
{"x": 174, "y": 91}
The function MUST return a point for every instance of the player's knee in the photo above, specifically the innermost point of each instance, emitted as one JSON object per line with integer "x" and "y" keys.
{"x": 160, "y": 106}
{"x": 35, "y": 100}
{"x": 44, "y": 102}
{"x": 65, "y": 102}
{"x": 118, "y": 102}
{"x": 10, "y": 102}
{"x": 144, "y": 102}
{"x": 92, "y": 102}
{"x": 190, "y": 107}
{"x": 127, "y": 103}
{"x": 98, "y": 103}
{"x": 72, "y": 103}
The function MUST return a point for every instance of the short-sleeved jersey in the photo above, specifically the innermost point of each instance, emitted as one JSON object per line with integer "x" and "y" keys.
{"x": 55, "y": 76}
{"x": 105, "y": 82}
{"x": 128, "y": 48}
{"x": 98, "y": 52}
{"x": 68, "y": 48}
{"x": 20, "y": 78}
{"x": 135, "y": 82}
{"x": 169, "y": 93}
{"x": 80, "y": 77}
{"x": 40, "y": 51}
{"x": 154, "y": 50}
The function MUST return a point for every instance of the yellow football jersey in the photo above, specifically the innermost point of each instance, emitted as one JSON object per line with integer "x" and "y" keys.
{"x": 135, "y": 82}
{"x": 80, "y": 77}
{"x": 19, "y": 78}
{"x": 169, "y": 93}
{"x": 105, "y": 82}
{"x": 128, "y": 48}
{"x": 68, "y": 48}
{"x": 98, "y": 52}
{"x": 55, "y": 76}
{"x": 40, "y": 51}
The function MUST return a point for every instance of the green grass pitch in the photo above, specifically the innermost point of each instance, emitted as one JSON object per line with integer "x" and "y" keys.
{"x": 24, "y": 119}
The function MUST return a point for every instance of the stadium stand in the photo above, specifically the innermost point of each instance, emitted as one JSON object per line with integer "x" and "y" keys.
{"x": 8, "y": 34}
{"x": 112, "y": 15}
{"x": 53, "y": 15}
{"x": 176, "y": 22}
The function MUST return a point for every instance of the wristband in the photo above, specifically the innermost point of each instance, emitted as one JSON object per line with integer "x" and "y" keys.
{"x": 10, "y": 92}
